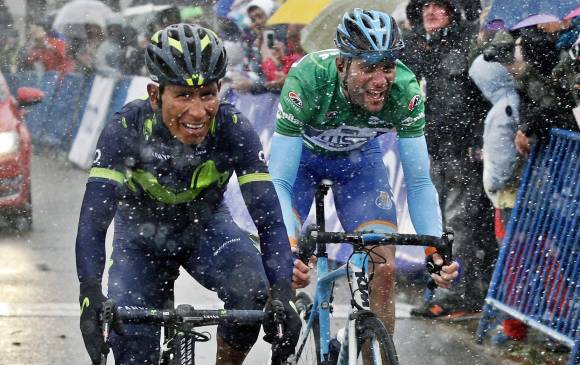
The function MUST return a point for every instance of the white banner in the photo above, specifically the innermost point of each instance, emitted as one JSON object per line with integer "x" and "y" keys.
{"x": 93, "y": 121}
{"x": 137, "y": 88}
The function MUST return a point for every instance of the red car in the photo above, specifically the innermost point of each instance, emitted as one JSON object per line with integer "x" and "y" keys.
{"x": 15, "y": 153}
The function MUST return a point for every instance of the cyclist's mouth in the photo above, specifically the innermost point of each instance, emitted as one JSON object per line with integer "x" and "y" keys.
{"x": 192, "y": 128}
{"x": 375, "y": 96}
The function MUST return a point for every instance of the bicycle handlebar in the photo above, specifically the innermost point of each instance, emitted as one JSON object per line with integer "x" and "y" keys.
{"x": 186, "y": 314}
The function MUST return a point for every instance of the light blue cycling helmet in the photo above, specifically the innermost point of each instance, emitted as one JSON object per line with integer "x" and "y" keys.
{"x": 370, "y": 35}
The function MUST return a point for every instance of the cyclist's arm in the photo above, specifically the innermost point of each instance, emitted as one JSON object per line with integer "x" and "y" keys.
{"x": 97, "y": 212}
{"x": 260, "y": 198}
{"x": 284, "y": 160}
{"x": 422, "y": 197}
{"x": 101, "y": 196}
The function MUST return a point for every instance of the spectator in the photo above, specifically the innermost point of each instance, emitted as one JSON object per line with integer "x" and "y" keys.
{"x": 109, "y": 55}
{"x": 545, "y": 104}
{"x": 45, "y": 52}
{"x": 277, "y": 65}
{"x": 437, "y": 50}
{"x": 83, "y": 48}
{"x": 258, "y": 11}
{"x": 9, "y": 50}
{"x": 133, "y": 62}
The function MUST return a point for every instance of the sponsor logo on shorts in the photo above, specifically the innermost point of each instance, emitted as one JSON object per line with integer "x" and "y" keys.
{"x": 384, "y": 201}
{"x": 295, "y": 99}
{"x": 415, "y": 100}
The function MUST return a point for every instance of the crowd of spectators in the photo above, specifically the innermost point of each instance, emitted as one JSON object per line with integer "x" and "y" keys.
{"x": 491, "y": 94}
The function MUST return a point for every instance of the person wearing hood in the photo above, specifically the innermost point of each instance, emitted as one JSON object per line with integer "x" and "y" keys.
{"x": 437, "y": 50}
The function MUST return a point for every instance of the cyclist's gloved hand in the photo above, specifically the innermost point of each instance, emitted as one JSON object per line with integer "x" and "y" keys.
{"x": 282, "y": 295}
{"x": 443, "y": 275}
{"x": 91, "y": 300}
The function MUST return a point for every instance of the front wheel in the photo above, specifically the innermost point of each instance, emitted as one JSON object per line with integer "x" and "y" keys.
{"x": 375, "y": 344}
{"x": 308, "y": 347}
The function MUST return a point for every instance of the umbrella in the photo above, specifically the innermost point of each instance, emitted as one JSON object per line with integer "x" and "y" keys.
{"x": 81, "y": 12}
{"x": 298, "y": 11}
{"x": 574, "y": 13}
{"x": 320, "y": 33}
{"x": 512, "y": 12}
{"x": 535, "y": 20}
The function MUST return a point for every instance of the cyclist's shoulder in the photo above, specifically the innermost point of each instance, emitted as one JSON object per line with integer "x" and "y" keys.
{"x": 134, "y": 114}
{"x": 315, "y": 70}
{"x": 405, "y": 81}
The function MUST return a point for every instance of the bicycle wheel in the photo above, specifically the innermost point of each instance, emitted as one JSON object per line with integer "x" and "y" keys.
{"x": 308, "y": 347}
{"x": 375, "y": 342}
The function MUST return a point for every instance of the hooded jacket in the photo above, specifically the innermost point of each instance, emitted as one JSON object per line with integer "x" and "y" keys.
{"x": 501, "y": 162}
{"x": 453, "y": 105}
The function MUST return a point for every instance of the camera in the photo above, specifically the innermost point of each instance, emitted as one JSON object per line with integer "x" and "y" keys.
{"x": 269, "y": 37}
{"x": 502, "y": 48}
{"x": 502, "y": 53}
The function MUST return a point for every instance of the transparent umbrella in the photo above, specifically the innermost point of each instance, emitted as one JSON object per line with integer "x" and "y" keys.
{"x": 80, "y": 12}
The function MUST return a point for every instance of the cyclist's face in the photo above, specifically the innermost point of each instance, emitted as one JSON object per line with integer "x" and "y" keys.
{"x": 369, "y": 85}
{"x": 188, "y": 111}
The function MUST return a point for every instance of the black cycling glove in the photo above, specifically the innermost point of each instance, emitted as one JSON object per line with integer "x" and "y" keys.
{"x": 281, "y": 306}
{"x": 91, "y": 300}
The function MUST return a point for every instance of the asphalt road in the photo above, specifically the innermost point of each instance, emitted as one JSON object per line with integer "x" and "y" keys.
{"x": 39, "y": 290}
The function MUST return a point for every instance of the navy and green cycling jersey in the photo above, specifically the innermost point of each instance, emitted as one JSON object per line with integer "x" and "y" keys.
{"x": 143, "y": 174}
{"x": 320, "y": 134}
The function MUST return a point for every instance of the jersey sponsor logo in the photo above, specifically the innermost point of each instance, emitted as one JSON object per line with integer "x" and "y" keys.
{"x": 384, "y": 201}
{"x": 161, "y": 156}
{"x": 409, "y": 121}
{"x": 415, "y": 101}
{"x": 281, "y": 114}
{"x": 295, "y": 99}
{"x": 342, "y": 138}
{"x": 331, "y": 114}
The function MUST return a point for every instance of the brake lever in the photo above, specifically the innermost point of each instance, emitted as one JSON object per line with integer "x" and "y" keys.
{"x": 447, "y": 255}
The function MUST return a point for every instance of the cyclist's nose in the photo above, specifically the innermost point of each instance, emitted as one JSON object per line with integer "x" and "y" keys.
{"x": 195, "y": 110}
{"x": 379, "y": 79}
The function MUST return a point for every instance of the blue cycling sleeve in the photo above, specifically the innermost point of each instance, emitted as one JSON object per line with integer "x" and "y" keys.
{"x": 97, "y": 211}
{"x": 421, "y": 194}
{"x": 284, "y": 161}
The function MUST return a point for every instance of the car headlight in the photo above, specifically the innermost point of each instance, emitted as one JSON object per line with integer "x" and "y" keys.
{"x": 9, "y": 142}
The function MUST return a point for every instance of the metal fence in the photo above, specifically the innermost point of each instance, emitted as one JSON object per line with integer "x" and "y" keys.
{"x": 537, "y": 276}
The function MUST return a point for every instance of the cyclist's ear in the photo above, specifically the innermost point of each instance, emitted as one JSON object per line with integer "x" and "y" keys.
{"x": 339, "y": 63}
{"x": 154, "y": 96}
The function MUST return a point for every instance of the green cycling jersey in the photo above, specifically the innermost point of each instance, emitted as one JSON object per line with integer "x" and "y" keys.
{"x": 313, "y": 105}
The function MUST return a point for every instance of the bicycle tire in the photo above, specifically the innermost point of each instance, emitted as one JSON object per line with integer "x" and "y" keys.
{"x": 369, "y": 328}
{"x": 308, "y": 346}
{"x": 183, "y": 350}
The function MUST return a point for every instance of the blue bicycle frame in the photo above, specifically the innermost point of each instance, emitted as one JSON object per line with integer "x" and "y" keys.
{"x": 322, "y": 305}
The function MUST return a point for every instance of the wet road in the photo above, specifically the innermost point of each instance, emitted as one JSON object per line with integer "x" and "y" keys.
{"x": 39, "y": 289}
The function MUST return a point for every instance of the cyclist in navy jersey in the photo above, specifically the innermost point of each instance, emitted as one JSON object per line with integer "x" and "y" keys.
{"x": 161, "y": 167}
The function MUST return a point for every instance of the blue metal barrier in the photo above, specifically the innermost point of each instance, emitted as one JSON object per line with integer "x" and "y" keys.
{"x": 38, "y": 114}
{"x": 64, "y": 111}
{"x": 537, "y": 276}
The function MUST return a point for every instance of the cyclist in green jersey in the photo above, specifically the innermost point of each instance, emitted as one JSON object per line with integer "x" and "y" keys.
{"x": 333, "y": 106}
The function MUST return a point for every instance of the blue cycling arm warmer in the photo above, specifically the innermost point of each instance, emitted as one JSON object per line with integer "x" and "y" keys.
{"x": 421, "y": 194}
{"x": 97, "y": 212}
{"x": 284, "y": 161}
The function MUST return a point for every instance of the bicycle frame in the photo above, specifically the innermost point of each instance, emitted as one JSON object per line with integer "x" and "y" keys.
{"x": 322, "y": 306}
{"x": 324, "y": 285}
